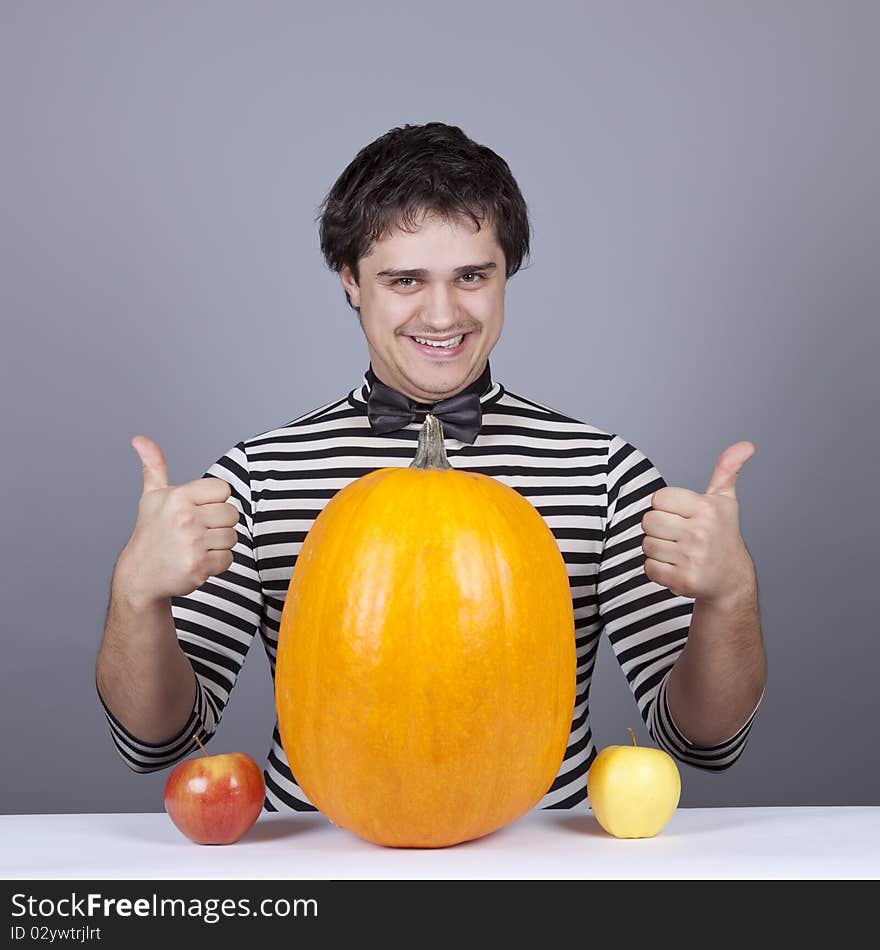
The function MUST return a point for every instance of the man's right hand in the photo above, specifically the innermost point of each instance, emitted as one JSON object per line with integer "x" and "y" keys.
{"x": 184, "y": 534}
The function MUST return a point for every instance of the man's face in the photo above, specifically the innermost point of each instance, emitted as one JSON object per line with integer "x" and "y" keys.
{"x": 444, "y": 280}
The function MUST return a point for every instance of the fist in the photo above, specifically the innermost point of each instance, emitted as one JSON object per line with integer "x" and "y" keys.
{"x": 183, "y": 535}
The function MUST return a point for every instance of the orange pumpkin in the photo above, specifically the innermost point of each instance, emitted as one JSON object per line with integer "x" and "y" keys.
{"x": 425, "y": 674}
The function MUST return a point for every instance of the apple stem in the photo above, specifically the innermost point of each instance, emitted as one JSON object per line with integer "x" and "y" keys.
{"x": 628, "y": 729}
{"x": 203, "y": 748}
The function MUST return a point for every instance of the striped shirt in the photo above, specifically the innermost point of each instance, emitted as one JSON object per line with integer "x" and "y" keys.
{"x": 592, "y": 489}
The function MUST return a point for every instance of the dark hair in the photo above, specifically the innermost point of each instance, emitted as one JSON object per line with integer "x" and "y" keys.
{"x": 432, "y": 168}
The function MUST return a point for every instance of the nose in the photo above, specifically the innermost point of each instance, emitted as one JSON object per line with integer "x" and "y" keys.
{"x": 442, "y": 312}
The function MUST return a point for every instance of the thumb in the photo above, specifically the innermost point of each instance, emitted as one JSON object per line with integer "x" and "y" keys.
{"x": 731, "y": 460}
{"x": 153, "y": 463}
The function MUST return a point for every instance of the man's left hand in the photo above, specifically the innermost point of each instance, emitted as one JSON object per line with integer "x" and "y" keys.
{"x": 692, "y": 541}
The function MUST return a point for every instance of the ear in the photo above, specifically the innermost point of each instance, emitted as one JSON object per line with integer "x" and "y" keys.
{"x": 350, "y": 286}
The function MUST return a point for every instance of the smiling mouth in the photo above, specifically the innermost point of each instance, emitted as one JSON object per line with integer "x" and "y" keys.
{"x": 450, "y": 341}
{"x": 441, "y": 346}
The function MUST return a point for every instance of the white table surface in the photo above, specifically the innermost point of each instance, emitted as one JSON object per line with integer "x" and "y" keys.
{"x": 720, "y": 843}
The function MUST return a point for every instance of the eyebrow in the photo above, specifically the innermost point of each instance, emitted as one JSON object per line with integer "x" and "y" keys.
{"x": 421, "y": 272}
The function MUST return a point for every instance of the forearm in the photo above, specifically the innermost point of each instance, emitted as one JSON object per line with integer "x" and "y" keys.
{"x": 718, "y": 679}
{"x": 142, "y": 674}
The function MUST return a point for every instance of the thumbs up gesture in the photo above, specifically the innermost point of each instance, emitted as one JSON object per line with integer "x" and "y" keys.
{"x": 692, "y": 541}
{"x": 184, "y": 534}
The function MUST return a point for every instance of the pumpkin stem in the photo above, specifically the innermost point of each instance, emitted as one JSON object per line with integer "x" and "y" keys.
{"x": 431, "y": 452}
{"x": 629, "y": 730}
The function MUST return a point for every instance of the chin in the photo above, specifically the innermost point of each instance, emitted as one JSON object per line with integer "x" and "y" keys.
{"x": 434, "y": 378}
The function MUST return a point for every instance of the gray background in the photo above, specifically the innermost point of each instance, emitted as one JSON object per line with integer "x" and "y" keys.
{"x": 703, "y": 184}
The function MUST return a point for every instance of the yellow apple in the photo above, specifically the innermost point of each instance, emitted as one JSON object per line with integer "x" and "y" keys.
{"x": 633, "y": 790}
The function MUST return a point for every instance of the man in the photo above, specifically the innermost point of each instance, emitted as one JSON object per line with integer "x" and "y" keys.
{"x": 425, "y": 227}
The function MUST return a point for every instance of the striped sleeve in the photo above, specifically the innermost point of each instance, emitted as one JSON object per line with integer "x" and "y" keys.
{"x": 142, "y": 756}
{"x": 215, "y": 627}
{"x": 647, "y": 625}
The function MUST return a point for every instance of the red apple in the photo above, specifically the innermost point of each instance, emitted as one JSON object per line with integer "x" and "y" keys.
{"x": 215, "y": 799}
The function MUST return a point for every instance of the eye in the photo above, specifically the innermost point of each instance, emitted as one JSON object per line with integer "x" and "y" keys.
{"x": 397, "y": 283}
{"x": 474, "y": 274}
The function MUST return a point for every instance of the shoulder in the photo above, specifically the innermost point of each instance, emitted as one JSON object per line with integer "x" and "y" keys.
{"x": 624, "y": 459}
{"x": 325, "y": 419}
{"x": 514, "y": 403}
{"x": 324, "y": 416}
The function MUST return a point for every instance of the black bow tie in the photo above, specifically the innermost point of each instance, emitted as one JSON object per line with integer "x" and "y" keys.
{"x": 461, "y": 414}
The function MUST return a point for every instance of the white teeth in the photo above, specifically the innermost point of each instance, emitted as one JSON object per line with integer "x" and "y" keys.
{"x": 446, "y": 344}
